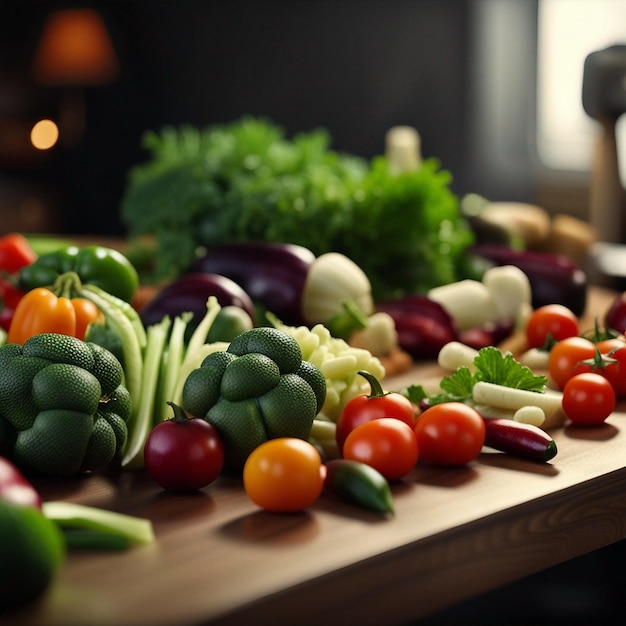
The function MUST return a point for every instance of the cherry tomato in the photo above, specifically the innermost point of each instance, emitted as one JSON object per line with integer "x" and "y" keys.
{"x": 182, "y": 454}
{"x": 451, "y": 433}
{"x": 551, "y": 322}
{"x": 566, "y": 359}
{"x": 365, "y": 408}
{"x": 588, "y": 399}
{"x": 386, "y": 444}
{"x": 284, "y": 475}
{"x": 615, "y": 372}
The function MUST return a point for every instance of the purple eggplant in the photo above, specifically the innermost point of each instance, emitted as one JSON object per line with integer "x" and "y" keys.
{"x": 292, "y": 283}
{"x": 423, "y": 325}
{"x": 554, "y": 278}
{"x": 190, "y": 293}
{"x": 273, "y": 275}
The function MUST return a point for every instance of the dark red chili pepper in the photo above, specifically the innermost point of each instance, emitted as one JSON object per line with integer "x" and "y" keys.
{"x": 523, "y": 440}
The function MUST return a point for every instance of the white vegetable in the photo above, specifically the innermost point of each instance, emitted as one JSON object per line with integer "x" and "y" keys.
{"x": 455, "y": 354}
{"x": 509, "y": 398}
{"x": 333, "y": 278}
{"x": 380, "y": 336}
{"x": 468, "y": 302}
{"x": 535, "y": 358}
{"x": 530, "y": 415}
{"x": 509, "y": 288}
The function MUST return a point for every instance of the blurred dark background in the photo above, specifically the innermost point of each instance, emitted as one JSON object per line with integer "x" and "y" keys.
{"x": 355, "y": 67}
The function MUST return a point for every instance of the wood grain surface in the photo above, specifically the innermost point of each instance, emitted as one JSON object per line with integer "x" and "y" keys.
{"x": 456, "y": 533}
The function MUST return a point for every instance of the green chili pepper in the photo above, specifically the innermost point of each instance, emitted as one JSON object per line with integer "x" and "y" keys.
{"x": 103, "y": 267}
{"x": 358, "y": 484}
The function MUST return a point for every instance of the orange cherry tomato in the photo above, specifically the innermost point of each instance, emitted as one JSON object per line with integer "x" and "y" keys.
{"x": 567, "y": 358}
{"x": 387, "y": 444}
{"x": 284, "y": 475}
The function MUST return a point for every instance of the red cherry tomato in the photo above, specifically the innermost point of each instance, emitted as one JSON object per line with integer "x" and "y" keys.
{"x": 567, "y": 359}
{"x": 284, "y": 475}
{"x": 588, "y": 399}
{"x": 184, "y": 454}
{"x": 551, "y": 322}
{"x": 365, "y": 408}
{"x": 451, "y": 433}
{"x": 614, "y": 368}
{"x": 386, "y": 444}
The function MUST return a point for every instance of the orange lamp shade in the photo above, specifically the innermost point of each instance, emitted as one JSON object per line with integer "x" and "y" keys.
{"x": 75, "y": 49}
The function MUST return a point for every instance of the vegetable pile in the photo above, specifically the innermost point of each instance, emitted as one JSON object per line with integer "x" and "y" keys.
{"x": 245, "y": 181}
{"x": 264, "y": 349}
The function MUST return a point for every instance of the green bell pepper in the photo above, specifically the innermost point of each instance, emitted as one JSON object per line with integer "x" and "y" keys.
{"x": 103, "y": 267}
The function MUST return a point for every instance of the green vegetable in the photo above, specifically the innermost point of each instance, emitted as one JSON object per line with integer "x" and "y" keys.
{"x": 258, "y": 389}
{"x": 106, "y": 529}
{"x": 32, "y": 552}
{"x": 246, "y": 181}
{"x": 490, "y": 366}
{"x": 360, "y": 484}
{"x": 63, "y": 407}
{"x": 103, "y": 267}
{"x": 163, "y": 364}
{"x": 338, "y": 361}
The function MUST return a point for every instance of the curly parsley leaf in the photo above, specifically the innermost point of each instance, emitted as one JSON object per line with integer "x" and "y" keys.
{"x": 490, "y": 365}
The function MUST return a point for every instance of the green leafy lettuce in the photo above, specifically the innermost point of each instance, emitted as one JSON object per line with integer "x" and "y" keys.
{"x": 247, "y": 181}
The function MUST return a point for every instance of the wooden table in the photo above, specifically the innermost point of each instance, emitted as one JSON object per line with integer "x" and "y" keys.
{"x": 456, "y": 533}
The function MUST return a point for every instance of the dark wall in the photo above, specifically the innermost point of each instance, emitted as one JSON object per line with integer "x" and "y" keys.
{"x": 356, "y": 67}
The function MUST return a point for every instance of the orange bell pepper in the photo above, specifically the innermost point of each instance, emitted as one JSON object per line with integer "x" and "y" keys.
{"x": 41, "y": 311}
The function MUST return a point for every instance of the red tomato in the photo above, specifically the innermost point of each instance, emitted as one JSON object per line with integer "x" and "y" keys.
{"x": 386, "y": 444}
{"x": 551, "y": 322}
{"x": 588, "y": 399}
{"x": 284, "y": 475}
{"x": 450, "y": 433}
{"x": 615, "y": 373}
{"x": 365, "y": 408}
{"x": 183, "y": 454}
{"x": 566, "y": 359}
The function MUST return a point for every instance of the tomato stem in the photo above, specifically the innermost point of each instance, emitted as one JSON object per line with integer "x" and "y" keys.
{"x": 179, "y": 414}
{"x": 376, "y": 387}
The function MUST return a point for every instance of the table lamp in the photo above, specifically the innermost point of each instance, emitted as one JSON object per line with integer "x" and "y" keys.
{"x": 74, "y": 51}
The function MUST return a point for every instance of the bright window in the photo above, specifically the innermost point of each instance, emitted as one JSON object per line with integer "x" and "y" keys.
{"x": 568, "y": 31}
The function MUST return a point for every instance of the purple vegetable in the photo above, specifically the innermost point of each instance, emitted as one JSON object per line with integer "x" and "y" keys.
{"x": 272, "y": 274}
{"x": 553, "y": 278}
{"x": 615, "y": 318}
{"x": 423, "y": 325}
{"x": 489, "y": 334}
{"x": 190, "y": 293}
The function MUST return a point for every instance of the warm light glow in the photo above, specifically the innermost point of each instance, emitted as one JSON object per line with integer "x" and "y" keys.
{"x": 44, "y": 134}
{"x": 75, "y": 49}
{"x": 569, "y": 30}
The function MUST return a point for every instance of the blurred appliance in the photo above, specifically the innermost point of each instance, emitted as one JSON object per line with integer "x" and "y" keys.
{"x": 604, "y": 99}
